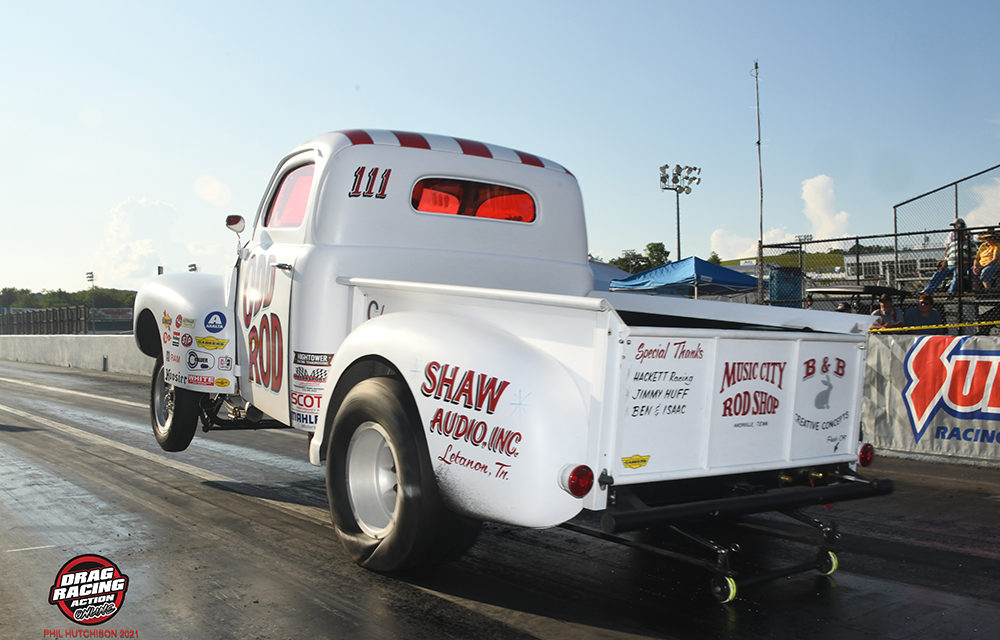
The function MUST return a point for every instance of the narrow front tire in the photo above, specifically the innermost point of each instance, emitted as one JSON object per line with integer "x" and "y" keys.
{"x": 173, "y": 411}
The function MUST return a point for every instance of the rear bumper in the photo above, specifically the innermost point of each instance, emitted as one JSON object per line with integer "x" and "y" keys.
{"x": 616, "y": 521}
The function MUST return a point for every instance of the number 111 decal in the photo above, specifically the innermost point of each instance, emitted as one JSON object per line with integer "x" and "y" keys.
{"x": 359, "y": 177}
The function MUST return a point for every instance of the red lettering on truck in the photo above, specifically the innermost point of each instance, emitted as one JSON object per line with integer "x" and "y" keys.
{"x": 473, "y": 390}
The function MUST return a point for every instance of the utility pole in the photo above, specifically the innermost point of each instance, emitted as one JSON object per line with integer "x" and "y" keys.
{"x": 760, "y": 175}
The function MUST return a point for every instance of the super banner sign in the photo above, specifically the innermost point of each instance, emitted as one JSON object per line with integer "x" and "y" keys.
{"x": 943, "y": 374}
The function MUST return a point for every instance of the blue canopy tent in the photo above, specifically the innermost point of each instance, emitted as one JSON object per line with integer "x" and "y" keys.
{"x": 687, "y": 277}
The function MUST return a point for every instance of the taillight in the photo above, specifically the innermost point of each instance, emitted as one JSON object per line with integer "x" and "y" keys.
{"x": 866, "y": 454}
{"x": 577, "y": 481}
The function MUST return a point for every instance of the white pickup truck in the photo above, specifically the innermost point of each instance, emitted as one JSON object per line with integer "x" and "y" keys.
{"x": 423, "y": 306}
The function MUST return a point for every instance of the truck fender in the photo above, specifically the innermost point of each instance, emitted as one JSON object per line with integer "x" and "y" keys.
{"x": 185, "y": 319}
{"x": 501, "y": 418}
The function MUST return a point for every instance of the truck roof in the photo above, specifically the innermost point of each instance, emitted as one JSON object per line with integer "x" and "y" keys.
{"x": 335, "y": 141}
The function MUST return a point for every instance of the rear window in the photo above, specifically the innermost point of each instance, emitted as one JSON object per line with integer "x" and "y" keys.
{"x": 289, "y": 205}
{"x": 476, "y": 199}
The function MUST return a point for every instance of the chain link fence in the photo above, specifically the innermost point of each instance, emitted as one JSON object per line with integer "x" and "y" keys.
{"x": 823, "y": 273}
{"x": 975, "y": 198}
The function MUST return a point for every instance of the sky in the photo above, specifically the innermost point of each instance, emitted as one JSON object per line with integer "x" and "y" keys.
{"x": 129, "y": 130}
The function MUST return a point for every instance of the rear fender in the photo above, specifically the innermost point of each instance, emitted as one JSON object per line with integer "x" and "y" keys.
{"x": 184, "y": 317}
{"x": 501, "y": 418}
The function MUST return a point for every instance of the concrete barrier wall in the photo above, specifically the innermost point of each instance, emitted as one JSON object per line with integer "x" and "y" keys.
{"x": 114, "y": 354}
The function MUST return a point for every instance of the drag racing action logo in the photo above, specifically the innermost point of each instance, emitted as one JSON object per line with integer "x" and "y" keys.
{"x": 89, "y": 589}
{"x": 943, "y": 375}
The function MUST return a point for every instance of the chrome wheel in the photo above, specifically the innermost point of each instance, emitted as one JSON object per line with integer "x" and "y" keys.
{"x": 372, "y": 479}
{"x": 173, "y": 412}
{"x": 163, "y": 405}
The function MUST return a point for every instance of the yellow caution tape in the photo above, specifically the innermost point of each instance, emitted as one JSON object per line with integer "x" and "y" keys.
{"x": 934, "y": 326}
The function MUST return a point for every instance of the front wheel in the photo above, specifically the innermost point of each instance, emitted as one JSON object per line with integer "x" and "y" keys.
{"x": 380, "y": 483}
{"x": 173, "y": 411}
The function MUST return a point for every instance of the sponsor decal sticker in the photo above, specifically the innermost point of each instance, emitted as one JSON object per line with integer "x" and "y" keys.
{"x": 89, "y": 589}
{"x": 166, "y": 320}
{"x": 225, "y": 363}
{"x": 222, "y": 382}
{"x": 204, "y": 381}
{"x": 178, "y": 320}
{"x": 211, "y": 342}
{"x": 198, "y": 360}
{"x": 316, "y": 375}
{"x": 306, "y": 401}
{"x": 312, "y": 359}
{"x": 215, "y": 322}
{"x": 186, "y": 340}
{"x": 308, "y": 384}
{"x": 634, "y": 462}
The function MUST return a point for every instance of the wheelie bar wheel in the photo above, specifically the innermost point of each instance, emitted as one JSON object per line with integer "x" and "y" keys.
{"x": 723, "y": 588}
{"x": 828, "y": 563}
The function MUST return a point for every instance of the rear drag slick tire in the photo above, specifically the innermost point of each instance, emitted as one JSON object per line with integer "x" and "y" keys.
{"x": 383, "y": 496}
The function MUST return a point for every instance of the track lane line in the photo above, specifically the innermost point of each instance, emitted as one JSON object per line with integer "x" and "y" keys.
{"x": 127, "y": 403}
{"x": 310, "y": 513}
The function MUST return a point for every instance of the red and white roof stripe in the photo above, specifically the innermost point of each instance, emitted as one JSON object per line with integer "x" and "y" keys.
{"x": 447, "y": 143}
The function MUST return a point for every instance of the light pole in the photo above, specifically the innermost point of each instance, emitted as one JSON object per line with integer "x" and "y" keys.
{"x": 679, "y": 180}
{"x": 90, "y": 311}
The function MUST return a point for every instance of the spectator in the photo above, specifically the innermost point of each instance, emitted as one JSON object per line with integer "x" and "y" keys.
{"x": 888, "y": 315}
{"x": 844, "y": 307}
{"x": 985, "y": 266}
{"x": 923, "y": 314}
{"x": 948, "y": 266}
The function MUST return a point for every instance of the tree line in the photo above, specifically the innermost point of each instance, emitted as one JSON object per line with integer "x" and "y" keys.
{"x": 655, "y": 255}
{"x": 96, "y": 297}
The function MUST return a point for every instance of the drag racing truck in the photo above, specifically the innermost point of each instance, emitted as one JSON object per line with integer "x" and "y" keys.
{"x": 423, "y": 308}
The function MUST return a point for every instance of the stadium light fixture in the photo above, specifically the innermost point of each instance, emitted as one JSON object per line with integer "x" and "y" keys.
{"x": 680, "y": 179}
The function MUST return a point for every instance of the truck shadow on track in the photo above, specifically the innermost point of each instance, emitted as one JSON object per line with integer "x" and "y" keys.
{"x": 309, "y": 493}
{"x": 558, "y": 577}
{"x": 9, "y": 428}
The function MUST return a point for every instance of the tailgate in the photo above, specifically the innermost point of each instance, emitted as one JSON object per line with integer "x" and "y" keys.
{"x": 692, "y": 403}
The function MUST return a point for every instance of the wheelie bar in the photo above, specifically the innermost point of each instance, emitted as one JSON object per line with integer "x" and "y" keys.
{"x": 726, "y": 581}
